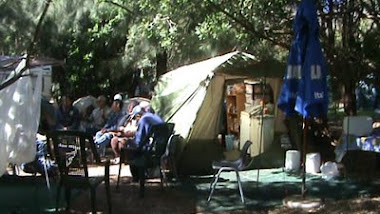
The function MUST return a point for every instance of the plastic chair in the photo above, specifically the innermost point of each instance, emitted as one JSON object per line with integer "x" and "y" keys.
{"x": 148, "y": 154}
{"x": 74, "y": 151}
{"x": 231, "y": 165}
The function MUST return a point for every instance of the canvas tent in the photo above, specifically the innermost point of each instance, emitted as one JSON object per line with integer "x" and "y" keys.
{"x": 192, "y": 97}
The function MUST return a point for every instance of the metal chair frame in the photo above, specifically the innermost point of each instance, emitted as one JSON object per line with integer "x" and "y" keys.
{"x": 231, "y": 165}
{"x": 75, "y": 175}
{"x": 150, "y": 153}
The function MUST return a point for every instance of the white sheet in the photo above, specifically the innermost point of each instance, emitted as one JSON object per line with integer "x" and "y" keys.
{"x": 20, "y": 105}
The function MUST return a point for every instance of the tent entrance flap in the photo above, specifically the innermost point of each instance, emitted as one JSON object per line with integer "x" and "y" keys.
{"x": 208, "y": 122}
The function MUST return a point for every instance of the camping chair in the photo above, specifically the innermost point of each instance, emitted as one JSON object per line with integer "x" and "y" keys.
{"x": 74, "y": 152}
{"x": 148, "y": 154}
{"x": 231, "y": 165}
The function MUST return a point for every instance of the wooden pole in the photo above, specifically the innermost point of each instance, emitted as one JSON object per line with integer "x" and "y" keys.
{"x": 304, "y": 142}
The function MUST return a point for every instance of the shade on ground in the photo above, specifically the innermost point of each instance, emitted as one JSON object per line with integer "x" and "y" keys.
{"x": 272, "y": 187}
{"x": 26, "y": 193}
{"x": 189, "y": 195}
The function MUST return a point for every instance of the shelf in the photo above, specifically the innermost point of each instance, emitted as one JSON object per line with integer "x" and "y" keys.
{"x": 233, "y": 131}
{"x": 235, "y": 104}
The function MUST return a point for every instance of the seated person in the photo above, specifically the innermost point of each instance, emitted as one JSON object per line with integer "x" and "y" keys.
{"x": 126, "y": 132}
{"x": 48, "y": 118}
{"x": 145, "y": 120}
{"x": 98, "y": 116}
{"x": 104, "y": 136}
{"x": 85, "y": 117}
{"x": 47, "y": 123}
{"x": 68, "y": 116}
{"x": 40, "y": 162}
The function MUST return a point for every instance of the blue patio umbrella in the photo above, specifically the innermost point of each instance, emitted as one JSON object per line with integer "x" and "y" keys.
{"x": 305, "y": 87}
{"x": 312, "y": 100}
{"x": 293, "y": 75}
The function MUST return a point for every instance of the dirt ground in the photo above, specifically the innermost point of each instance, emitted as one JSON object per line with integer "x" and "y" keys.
{"x": 127, "y": 200}
{"x": 176, "y": 200}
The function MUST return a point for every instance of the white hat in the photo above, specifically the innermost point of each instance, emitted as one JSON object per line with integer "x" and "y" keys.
{"x": 117, "y": 97}
{"x": 136, "y": 110}
{"x": 144, "y": 104}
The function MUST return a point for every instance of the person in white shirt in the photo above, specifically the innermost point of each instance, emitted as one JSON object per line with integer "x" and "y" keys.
{"x": 126, "y": 132}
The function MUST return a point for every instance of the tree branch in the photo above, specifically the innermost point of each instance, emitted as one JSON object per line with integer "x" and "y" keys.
{"x": 30, "y": 50}
{"x": 119, "y": 5}
{"x": 244, "y": 23}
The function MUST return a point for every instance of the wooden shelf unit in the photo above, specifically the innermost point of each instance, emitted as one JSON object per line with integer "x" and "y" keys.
{"x": 235, "y": 104}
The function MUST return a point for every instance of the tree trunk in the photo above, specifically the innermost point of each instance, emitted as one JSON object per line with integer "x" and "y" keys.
{"x": 349, "y": 99}
{"x": 161, "y": 63}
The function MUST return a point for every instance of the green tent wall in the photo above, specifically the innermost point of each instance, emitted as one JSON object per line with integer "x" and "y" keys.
{"x": 192, "y": 96}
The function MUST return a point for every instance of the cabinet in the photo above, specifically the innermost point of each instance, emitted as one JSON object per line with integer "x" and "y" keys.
{"x": 256, "y": 91}
{"x": 252, "y": 127}
{"x": 235, "y": 104}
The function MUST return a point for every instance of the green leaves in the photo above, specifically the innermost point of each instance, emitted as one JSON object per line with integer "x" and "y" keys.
{"x": 108, "y": 41}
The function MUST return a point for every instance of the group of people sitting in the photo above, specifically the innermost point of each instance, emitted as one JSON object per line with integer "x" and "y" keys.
{"x": 126, "y": 128}
{"x": 111, "y": 126}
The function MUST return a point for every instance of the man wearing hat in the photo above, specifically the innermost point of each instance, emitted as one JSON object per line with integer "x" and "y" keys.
{"x": 103, "y": 137}
{"x": 118, "y": 97}
{"x": 126, "y": 132}
{"x": 146, "y": 120}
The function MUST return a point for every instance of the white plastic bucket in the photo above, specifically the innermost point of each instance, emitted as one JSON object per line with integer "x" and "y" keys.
{"x": 313, "y": 162}
{"x": 292, "y": 160}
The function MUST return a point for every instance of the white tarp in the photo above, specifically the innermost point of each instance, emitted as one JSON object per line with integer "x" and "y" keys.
{"x": 20, "y": 105}
{"x": 46, "y": 71}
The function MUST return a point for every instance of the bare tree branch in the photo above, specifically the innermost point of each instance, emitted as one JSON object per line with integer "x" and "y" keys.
{"x": 30, "y": 50}
{"x": 119, "y": 5}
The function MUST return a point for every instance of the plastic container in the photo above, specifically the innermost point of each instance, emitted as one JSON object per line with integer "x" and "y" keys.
{"x": 292, "y": 160}
{"x": 230, "y": 142}
{"x": 313, "y": 163}
{"x": 329, "y": 170}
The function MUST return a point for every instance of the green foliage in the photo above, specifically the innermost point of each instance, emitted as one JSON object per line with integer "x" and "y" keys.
{"x": 349, "y": 32}
{"x": 18, "y": 20}
{"x": 107, "y": 44}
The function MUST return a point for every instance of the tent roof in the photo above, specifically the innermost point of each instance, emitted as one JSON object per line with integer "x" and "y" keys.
{"x": 246, "y": 65}
{"x": 9, "y": 63}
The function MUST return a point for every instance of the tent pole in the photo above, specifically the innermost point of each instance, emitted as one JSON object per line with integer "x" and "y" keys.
{"x": 261, "y": 130}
